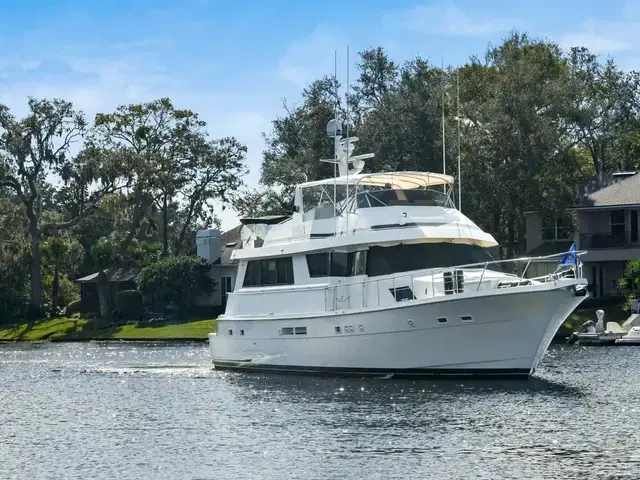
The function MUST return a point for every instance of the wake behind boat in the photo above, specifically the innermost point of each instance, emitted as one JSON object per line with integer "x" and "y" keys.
{"x": 380, "y": 274}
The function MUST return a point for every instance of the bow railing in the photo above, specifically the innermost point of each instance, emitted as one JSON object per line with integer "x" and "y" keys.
{"x": 444, "y": 281}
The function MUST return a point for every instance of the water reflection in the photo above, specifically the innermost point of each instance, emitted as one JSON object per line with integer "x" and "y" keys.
{"x": 298, "y": 388}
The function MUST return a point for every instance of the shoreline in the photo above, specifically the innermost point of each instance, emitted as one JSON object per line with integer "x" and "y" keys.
{"x": 79, "y": 329}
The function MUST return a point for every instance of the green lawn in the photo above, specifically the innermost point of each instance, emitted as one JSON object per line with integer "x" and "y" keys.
{"x": 64, "y": 328}
{"x": 78, "y": 328}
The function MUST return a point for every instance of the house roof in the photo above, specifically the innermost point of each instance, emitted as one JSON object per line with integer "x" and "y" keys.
{"x": 229, "y": 241}
{"x": 550, "y": 248}
{"x": 118, "y": 275}
{"x": 622, "y": 192}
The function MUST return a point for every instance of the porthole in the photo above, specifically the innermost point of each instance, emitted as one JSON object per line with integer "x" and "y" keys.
{"x": 442, "y": 320}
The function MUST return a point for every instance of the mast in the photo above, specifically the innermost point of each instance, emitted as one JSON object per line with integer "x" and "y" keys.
{"x": 459, "y": 171}
{"x": 335, "y": 142}
{"x": 348, "y": 142}
{"x": 444, "y": 166}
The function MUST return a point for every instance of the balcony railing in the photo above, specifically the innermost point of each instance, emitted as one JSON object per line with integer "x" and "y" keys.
{"x": 590, "y": 241}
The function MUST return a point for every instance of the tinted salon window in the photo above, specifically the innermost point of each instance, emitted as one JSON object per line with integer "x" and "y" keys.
{"x": 404, "y": 258}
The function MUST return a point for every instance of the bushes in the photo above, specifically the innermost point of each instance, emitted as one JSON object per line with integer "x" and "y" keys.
{"x": 178, "y": 279}
{"x": 68, "y": 292}
{"x": 129, "y": 304}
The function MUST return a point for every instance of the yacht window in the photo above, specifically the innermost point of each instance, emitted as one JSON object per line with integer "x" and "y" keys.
{"x": 412, "y": 197}
{"x": 252, "y": 275}
{"x": 301, "y": 330}
{"x": 359, "y": 263}
{"x": 318, "y": 200}
{"x": 404, "y": 258}
{"x": 318, "y": 264}
{"x": 287, "y": 330}
{"x": 285, "y": 271}
{"x": 270, "y": 271}
{"x": 337, "y": 264}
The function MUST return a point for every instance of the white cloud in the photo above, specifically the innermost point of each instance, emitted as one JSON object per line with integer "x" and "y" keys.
{"x": 447, "y": 19}
{"x": 313, "y": 57}
{"x": 606, "y": 36}
{"x": 596, "y": 43}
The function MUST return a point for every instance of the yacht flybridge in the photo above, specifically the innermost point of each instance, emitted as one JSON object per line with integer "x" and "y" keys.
{"x": 379, "y": 274}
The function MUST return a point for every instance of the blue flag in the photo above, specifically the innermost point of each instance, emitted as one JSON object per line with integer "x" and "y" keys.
{"x": 570, "y": 258}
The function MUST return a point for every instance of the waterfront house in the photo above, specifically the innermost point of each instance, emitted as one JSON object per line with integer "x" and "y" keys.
{"x": 607, "y": 227}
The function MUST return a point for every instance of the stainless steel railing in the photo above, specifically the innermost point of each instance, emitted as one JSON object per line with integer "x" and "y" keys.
{"x": 448, "y": 278}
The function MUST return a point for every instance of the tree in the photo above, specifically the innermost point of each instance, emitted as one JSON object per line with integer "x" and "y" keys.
{"x": 604, "y": 108}
{"x": 105, "y": 255}
{"x": 31, "y": 150}
{"x": 523, "y": 154}
{"x": 263, "y": 201}
{"x": 214, "y": 171}
{"x": 405, "y": 130}
{"x": 14, "y": 259}
{"x": 630, "y": 280}
{"x": 143, "y": 142}
{"x": 395, "y": 112}
{"x": 170, "y": 165}
{"x": 61, "y": 256}
{"x": 378, "y": 78}
{"x": 148, "y": 140}
{"x": 298, "y": 140}
{"x": 178, "y": 279}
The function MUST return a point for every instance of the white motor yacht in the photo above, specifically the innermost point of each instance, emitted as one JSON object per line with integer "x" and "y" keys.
{"x": 379, "y": 274}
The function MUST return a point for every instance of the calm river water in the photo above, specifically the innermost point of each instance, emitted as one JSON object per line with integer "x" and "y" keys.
{"x": 158, "y": 411}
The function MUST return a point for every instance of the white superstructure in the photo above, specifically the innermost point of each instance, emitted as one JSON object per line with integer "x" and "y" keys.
{"x": 378, "y": 274}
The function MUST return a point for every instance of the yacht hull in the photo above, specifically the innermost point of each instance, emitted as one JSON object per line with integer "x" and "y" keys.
{"x": 502, "y": 333}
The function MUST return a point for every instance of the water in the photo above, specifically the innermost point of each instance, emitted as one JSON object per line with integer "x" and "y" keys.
{"x": 132, "y": 411}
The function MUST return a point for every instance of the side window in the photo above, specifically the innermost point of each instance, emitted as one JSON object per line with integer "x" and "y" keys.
{"x": 252, "y": 275}
{"x": 270, "y": 271}
{"x": 359, "y": 263}
{"x": 339, "y": 264}
{"x": 284, "y": 274}
{"x": 318, "y": 264}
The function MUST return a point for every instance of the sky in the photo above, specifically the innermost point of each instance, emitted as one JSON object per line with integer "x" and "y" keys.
{"x": 234, "y": 62}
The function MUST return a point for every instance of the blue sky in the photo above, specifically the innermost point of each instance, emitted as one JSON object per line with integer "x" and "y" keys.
{"x": 235, "y": 61}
